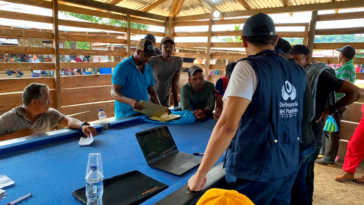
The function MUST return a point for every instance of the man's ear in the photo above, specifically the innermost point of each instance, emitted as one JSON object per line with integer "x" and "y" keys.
{"x": 245, "y": 42}
{"x": 308, "y": 58}
{"x": 34, "y": 102}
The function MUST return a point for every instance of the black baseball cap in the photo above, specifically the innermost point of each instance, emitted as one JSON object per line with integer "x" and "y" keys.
{"x": 283, "y": 45}
{"x": 167, "y": 38}
{"x": 192, "y": 70}
{"x": 259, "y": 25}
{"x": 150, "y": 37}
{"x": 147, "y": 47}
{"x": 347, "y": 51}
{"x": 229, "y": 69}
{"x": 299, "y": 49}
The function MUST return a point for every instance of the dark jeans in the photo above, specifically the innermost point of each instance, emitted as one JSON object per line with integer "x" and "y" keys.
{"x": 300, "y": 192}
{"x": 318, "y": 131}
{"x": 10, "y": 72}
{"x": 274, "y": 192}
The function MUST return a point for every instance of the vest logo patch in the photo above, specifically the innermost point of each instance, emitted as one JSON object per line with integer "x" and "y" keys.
{"x": 288, "y": 109}
{"x": 288, "y": 91}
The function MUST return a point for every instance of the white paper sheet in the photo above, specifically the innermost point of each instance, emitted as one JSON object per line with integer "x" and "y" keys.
{"x": 5, "y": 181}
{"x": 86, "y": 141}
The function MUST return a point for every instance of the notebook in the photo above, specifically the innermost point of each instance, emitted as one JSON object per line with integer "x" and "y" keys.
{"x": 161, "y": 152}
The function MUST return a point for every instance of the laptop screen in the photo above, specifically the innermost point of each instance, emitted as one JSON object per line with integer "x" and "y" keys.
{"x": 156, "y": 143}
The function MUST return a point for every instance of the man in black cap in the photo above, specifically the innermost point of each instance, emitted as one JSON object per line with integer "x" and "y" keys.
{"x": 260, "y": 125}
{"x": 284, "y": 46}
{"x": 323, "y": 84}
{"x": 133, "y": 80}
{"x": 166, "y": 70}
{"x": 152, "y": 38}
{"x": 198, "y": 94}
{"x": 220, "y": 89}
{"x": 346, "y": 72}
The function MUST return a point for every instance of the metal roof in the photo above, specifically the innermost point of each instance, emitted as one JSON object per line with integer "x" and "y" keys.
{"x": 196, "y": 7}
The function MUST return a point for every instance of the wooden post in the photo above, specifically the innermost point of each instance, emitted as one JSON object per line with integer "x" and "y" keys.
{"x": 112, "y": 48}
{"x": 208, "y": 51}
{"x": 305, "y": 36}
{"x": 128, "y": 35}
{"x": 56, "y": 57}
{"x": 168, "y": 27}
{"x": 311, "y": 35}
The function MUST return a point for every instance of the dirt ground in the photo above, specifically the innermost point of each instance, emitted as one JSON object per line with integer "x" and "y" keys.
{"x": 329, "y": 192}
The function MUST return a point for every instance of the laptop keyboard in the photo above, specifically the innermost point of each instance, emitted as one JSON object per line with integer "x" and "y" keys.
{"x": 173, "y": 161}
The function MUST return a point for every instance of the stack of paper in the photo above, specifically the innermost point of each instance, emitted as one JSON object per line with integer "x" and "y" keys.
{"x": 165, "y": 117}
{"x": 86, "y": 141}
{"x": 151, "y": 109}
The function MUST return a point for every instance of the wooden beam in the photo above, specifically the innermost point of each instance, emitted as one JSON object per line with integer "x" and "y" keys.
{"x": 334, "y": 60}
{"x": 305, "y": 36}
{"x": 85, "y": 81}
{"x": 228, "y": 45}
{"x": 153, "y": 5}
{"x": 14, "y": 33}
{"x": 208, "y": 6}
{"x": 26, "y": 66}
{"x": 25, "y": 17}
{"x": 90, "y": 52}
{"x": 138, "y": 31}
{"x": 235, "y": 33}
{"x": 56, "y": 57}
{"x": 25, "y": 50}
{"x": 245, "y": 4}
{"x": 312, "y": 31}
{"x": 360, "y": 76}
{"x": 190, "y": 55}
{"x": 340, "y": 31}
{"x": 87, "y": 65}
{"x": 337, "y": 45}
{"x": 168, "y": 27}
{"x": 85, "y": 95}
{"x": 37, "y": 3}
{"x": 114, "y": 2}
{"x": 287, "y": 9}
{"x": 88, "y": 38}
{"x": 208, "y": 50}
{"x": 232, "y": 57}
{"x": 128, "y": 37}
{"x": 146, "y": 21}
{"x": 107, "y": 7}
{"x": 341, "y": 16}
{"x": 91, "y": 12}
{"x": 189, "y": 34}
{"x": 91, "y": 25}
{"x": 176, "y": 8}
{"x": 191, "y": 45}
{"x": 18, "y": 84}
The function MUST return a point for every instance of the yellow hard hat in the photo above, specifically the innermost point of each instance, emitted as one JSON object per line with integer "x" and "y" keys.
{"x": 221, "y": 197}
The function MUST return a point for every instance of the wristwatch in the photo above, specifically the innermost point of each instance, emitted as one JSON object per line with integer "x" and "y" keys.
{"x": 84, "y": 123}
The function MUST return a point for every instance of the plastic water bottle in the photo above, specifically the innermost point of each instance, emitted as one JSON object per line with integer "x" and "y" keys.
{"x": 103, "y": 119}
{"x": 94, "y": 186}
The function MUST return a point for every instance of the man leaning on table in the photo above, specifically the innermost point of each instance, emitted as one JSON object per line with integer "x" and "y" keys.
{"x": 35, "y": 116}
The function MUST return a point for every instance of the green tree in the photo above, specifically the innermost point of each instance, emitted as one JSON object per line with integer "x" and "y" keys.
{"x": 234, "y": 38}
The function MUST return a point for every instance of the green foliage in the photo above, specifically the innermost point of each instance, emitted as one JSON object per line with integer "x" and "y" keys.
{"x": 318, "y": 39}
{"x": 106, "y": 21}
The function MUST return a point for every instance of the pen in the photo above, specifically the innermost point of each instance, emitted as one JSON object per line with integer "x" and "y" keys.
{"x": 20, "y": 199}
{"x": 196, "y": 153}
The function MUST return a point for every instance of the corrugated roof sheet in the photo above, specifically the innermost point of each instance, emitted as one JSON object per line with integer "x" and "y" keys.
{"x": 195, "y": 7}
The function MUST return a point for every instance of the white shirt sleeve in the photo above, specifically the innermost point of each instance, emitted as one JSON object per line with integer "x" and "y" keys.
{"x": 243, "y": 82}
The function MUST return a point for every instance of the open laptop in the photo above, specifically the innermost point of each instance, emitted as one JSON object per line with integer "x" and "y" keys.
{"x": 161, "y": 152}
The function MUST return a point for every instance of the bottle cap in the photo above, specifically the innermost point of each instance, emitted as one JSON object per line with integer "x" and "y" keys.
{"x": 93, "y": 167}
{"x": 100, "y": 110}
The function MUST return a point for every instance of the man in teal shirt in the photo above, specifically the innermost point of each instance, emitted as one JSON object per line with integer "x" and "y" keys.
{"x": 346, "y": 72}
{"x": 133, "y": 80}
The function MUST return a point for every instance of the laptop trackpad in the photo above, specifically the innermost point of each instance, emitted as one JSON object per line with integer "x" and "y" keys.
{"x": 187, "y": 165}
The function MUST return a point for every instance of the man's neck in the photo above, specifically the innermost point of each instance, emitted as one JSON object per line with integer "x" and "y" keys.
{"x": 31, "y": 114}
{"x": 166, "y": 58}
{"x": 253, "y": 50}
{"x": 141, "y": 66}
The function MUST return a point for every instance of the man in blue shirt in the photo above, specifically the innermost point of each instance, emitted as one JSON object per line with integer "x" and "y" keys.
{"x": 260, "y": 125}
{"x": 133, "y": 80}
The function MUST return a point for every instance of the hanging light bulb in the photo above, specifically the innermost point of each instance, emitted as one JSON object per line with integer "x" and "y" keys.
{"x": 216, "y": 14}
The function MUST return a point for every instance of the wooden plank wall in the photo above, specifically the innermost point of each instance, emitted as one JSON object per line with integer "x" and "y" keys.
{"x": 352, "y": 115}
{"x": 81, "y": 96}
{"x": 223, "y": 56}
